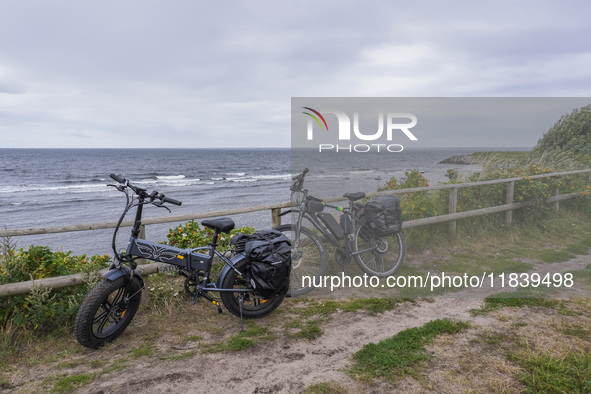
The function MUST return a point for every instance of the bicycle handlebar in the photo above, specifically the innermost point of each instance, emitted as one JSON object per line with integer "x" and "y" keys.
{"x": 171, "y": 200}
{"x": 142, "y": 192}
{"x": 118, "y": 178}
{"x": 298, "y": 180}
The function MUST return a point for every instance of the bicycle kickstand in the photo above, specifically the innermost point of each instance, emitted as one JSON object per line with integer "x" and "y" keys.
{"x": 241, "y": 302}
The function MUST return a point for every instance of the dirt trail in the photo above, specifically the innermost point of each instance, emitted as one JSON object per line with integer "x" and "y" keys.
{"x": 285, "y": 365}
{"x": 289, "y": 365}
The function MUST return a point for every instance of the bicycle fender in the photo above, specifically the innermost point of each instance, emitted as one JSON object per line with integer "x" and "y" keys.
{"x": 234, "y": 260}
{"x": 116, "y": 273}
{"x": 286, "y": 212}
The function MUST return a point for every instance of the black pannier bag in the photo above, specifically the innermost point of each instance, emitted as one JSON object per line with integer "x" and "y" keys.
{"x": 269, "y": 256}
{"x": 384, "y": 215}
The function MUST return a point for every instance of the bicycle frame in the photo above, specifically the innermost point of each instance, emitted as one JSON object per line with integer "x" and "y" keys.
{"x": 304, "y": 212}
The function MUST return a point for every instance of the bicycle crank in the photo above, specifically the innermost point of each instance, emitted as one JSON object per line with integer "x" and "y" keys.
{"x": 341, "y": 258}
{"x": 191, "y": 283}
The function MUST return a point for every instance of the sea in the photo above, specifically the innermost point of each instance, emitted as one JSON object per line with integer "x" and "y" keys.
{"x": 60, "y": 187}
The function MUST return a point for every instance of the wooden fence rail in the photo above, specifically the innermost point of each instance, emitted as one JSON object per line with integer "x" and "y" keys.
{"x": 451, "y": 217}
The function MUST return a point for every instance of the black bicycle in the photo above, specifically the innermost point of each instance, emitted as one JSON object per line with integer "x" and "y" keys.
{"x": 110, "y": 306}
{"x": 376, "y": 254}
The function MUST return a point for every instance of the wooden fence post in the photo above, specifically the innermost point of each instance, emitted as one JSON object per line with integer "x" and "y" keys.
{"x": 556, "y": 204}
{"x": 453, "y": 208}
{"x": 275, "y": 218}
{"x": 509, "y": 200}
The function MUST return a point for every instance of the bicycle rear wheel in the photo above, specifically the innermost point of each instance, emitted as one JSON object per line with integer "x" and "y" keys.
{"x": 308, "y": 258}
{"x": 378, "y": 255}
{"x": 253, "y": 306}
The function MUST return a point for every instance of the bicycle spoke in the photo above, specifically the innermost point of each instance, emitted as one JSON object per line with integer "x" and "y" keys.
{"x": 101, "y": 319}
{"x": 119, "y": 296}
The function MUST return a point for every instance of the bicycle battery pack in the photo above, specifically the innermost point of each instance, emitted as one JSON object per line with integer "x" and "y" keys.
{"x": 346, "y": 224}
{"x": 333, "y": 226}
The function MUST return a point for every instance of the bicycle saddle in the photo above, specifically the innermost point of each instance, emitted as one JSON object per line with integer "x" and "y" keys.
{"x": 224, "y": 225}
{"x": 354, "y": 196}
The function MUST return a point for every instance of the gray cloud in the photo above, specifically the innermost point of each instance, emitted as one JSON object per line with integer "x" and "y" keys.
{"x": 205, "y": 74}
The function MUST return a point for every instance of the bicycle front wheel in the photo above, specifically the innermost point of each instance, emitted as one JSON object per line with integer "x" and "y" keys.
{"x": 308, "y": 259}
{"x": 378, "y": 255}
{"x": 106, "y": 311}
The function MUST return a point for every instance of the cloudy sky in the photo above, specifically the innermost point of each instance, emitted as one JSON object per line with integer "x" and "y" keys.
{"x": 213, "y": 74}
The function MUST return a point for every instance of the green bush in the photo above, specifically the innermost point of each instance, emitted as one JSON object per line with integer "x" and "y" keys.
{"x": 191, "y": 235}
{"x": 43, "y": 307}
{"x": 435, "y": 203}
{"x": 571, "y": 134}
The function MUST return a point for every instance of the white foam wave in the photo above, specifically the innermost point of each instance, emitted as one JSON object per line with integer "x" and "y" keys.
{"x": 361, "y": 172}
{"x": 169, "y": 177}
{"x": 280, "y": 176}
{"x": 46, "y": 188}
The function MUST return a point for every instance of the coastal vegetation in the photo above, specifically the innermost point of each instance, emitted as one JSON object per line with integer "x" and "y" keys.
{"x": 44, "y": 317}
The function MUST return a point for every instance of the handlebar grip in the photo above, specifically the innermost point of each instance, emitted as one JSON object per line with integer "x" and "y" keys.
{"x": 171, "y": 200}
{"x": 118, "y": 178}
{"x": 301, "y": 176}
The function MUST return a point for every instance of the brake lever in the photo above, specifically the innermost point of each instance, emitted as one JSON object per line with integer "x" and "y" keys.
{"x": 118, "y": 187}
{"x": 160, "y": 204}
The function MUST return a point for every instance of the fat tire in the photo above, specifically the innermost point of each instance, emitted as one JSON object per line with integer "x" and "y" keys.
{"x": 98, "y": 298}
{"x": 376, "y": 263}
{"x": 320, "y": 264}
{"x": 253, "y": 306}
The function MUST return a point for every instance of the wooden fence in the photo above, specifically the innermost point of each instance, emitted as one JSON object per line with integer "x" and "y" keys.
{"x": 275, "y": 209}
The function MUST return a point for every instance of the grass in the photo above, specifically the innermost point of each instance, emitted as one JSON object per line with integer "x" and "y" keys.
{"x": 311, "y": 330}
{"x": 244, "y": 340}
{"x": 520, "y": 299}
{"x": 546, "y": 374}
{"x": 182, "y": 356}
{"x": 69, "y": 384}
{"x": 4, "y": 381}
{"x": 373, "y": 306}
{"x": 118, "y": 365}
{"x": 325, "y": 388}
{"x": 576, "y": 330}
{"x": 144, "y": 350}
{"x": 401, "y": 355}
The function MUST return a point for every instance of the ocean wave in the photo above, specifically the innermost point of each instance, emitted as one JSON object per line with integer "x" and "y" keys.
{"x": 169, "y": 177}
{"x": 46, "y": 188}
{"x": 279, "y": 176}
{"x": 362, "y": 172}
{"x": 236, "y": 173}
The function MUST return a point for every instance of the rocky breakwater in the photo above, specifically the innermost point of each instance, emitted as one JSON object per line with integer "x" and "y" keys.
{"x": 460, "y": 159}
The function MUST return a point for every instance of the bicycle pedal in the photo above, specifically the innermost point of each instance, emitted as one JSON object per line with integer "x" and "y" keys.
{"x": 218, "y": 305}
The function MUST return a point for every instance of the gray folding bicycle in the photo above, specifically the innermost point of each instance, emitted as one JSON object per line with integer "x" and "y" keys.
{"x": 111, "y": 305}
